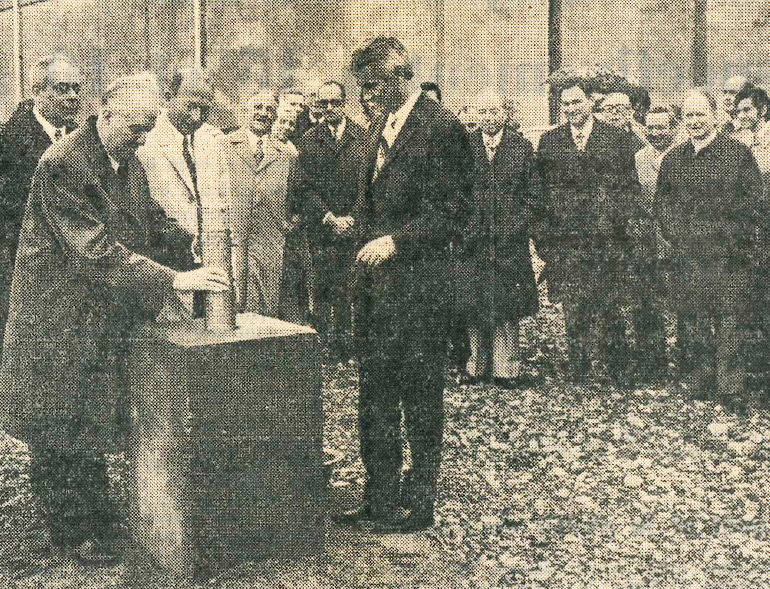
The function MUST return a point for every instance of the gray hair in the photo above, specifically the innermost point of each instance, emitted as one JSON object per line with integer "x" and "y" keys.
{"x": 125, "y": 86}
{"x": 703, "y": 93}
{"x": 38, "y": 71}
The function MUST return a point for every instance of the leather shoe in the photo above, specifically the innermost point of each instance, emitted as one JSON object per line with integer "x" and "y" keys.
{"x": 402, "y": 521}
{"x": 354, "y": 517}
{"x": 93, "y": 553}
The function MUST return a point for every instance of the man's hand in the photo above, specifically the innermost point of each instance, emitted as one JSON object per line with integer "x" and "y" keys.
{"x": 377, "y": 251}
{"x": 207, "y": 279}
{"x": 340, "y": 225}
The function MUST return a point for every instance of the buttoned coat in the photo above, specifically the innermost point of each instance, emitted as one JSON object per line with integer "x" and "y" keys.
{"x": 259, "y": 217}
{"x": 709, "y": 208}
{"x": 495, "y": 279}
{"x": 326, "y": 180}
{"x": 421, "y": 196}
{"x": 590, "y": 199}
{"x": 83, "y": 278}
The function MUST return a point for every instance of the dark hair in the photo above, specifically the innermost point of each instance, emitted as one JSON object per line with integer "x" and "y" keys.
{"x": 660, "y": 109}
{"x": 758, "y": 98}
{"x": 431, "y": 87}
{"x": 179, "y": 75}
{"x": 576, "y": 82}
{"x": 334, "y": 83}
{"x": 380, "y": 50}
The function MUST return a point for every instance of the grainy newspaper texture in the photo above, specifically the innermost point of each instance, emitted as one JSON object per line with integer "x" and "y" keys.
{"x": 338, "y": 293}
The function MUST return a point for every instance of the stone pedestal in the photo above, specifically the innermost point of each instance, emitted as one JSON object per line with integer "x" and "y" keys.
{"x": 227, "y": 443}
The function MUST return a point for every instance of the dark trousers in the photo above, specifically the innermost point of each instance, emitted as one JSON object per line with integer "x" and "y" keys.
{"x": 596, "y": 331}
{"x": 73, "y": 493}
{"x": 711, "y": 357}
{"x": 402, "y": 363}
{"x": 649, "y": 332}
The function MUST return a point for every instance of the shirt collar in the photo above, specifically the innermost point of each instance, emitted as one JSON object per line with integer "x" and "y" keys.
{"x": 338, "y": 131}
{"x": 701, "y": 145}
{"x": 397, "y": 119}
{"x": 493, "y": 141}
{"x": 254, "y": 139}
{"x": 585, "y": 131}
{"x": 49, "y": 129}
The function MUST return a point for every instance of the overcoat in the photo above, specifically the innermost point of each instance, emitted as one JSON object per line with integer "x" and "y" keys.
{"x": 590, "y": 195}
{"x": 495, "y": 275}
{"x": 82, "y": 280}
{"x": 709, "y": 208}
{"x": 326, "y": 180}
{"x": 259, "y": 218}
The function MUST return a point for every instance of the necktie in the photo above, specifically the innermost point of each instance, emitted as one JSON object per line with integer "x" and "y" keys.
{"x": 58, "y": 135}
{"x": 382, "y": 154}
{"x": 199, "y": 297}
{"x": 259, "y": 150}
{"x": 579, "y": 140}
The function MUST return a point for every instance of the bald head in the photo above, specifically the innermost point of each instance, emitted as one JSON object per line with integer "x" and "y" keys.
{"x": 261, "y": 109}
{"x": 730, "y": 90}
{"x": 190, "y": 97}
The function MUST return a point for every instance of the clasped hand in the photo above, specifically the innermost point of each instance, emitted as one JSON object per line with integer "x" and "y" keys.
{"x": 207, "y": 279}
{"x": 341, "y": 225}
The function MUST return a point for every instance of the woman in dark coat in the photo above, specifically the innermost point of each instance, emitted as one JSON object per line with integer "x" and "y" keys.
{"x": 496, "y": 282}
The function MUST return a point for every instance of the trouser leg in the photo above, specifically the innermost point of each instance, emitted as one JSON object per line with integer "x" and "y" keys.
{"x": 730, "y": 369}
{"x": 380, "y": 431}
{"x": 506, "y": 353}
{"x": 613, "y": 342}
{"x": 578, "y": 326}
{"x": 473, "y": 367}
{"x": 73, "y": 491}
{"x": 697, "y": 352}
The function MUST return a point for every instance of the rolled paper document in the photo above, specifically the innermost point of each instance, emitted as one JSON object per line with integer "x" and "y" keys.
{"x": 216, "y": 242}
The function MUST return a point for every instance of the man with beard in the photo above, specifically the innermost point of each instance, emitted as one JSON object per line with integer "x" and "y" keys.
{"x": 413, "y": 196}
{"x": 588, "y": 173}
{"x": 259, "y": 167}
{"x": 35, "y": 125}
{"x": 325, "y": 192}
{"x": 85, "y": 275}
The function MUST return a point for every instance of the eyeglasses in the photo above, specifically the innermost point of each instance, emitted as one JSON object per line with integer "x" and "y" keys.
{"x": 324, "y": 103}
{"x": 66, "y": 87}
{"x": 616, "y": 109}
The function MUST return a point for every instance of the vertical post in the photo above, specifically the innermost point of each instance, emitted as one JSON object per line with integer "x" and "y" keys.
{"x": 18, "y": 66}
{"x": 440, "y": 56}
{"x": 199, "y": 32}
{"x": 700, "y": 44}
{"x": 147, "y": 36}
{"x": 554, "y": 52}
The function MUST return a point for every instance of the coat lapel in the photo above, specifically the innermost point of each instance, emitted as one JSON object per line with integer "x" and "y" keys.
{"x": 416, "y": 120}
{"x": 240, "y": 141}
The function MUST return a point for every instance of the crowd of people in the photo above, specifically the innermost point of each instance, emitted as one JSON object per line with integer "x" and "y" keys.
{"x": 406, "y": 241}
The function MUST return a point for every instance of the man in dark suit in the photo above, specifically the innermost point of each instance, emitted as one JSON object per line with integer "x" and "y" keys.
{"x": 495, "y": 279}
{"x": 589, "y": 174}
{"x": 414, "y": 188}
{"x": 83, "y": 277}
{"x": 325, "y": 190}
{"x": 35, "y": 124}
{"x": 709, "y": 204}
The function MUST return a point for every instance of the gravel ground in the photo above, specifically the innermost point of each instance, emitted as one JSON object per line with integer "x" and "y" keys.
{"x": 554, "y": 486}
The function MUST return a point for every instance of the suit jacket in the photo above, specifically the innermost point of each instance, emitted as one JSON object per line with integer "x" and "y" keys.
{"x": 709, "y": 205}
{"x": 259, "y": 218}
{"x": 82, "y": 278}
{"x": 496, "y": 280}
{"x": 326, "y": 180}
{"x": 422, "y": 197}
{"x": 170, "y": 180}
{"x": 590, "y": 198}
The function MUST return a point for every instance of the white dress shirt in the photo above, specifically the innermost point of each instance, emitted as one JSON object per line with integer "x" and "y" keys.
{"x": 580, "y": 136}
{"x": 492, "y": 142}
{"x": 338, "y": 131}
{"x": 701, "y": 145}
{"x": 49, "y": 129}
{"x": 256, "y": 142}
{"x": 393, "y": 126}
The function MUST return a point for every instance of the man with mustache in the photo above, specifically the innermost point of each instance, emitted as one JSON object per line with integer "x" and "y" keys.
{"x": 86, "y": 273}
{"x": 36, "y": 124}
